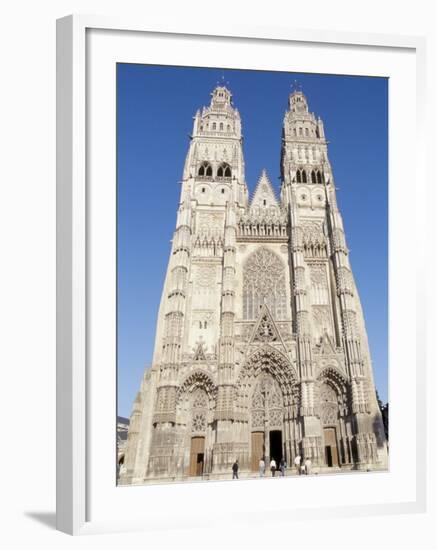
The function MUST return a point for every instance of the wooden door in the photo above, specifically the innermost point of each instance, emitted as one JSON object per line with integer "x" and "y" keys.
{"x": 197, "y": 455}
{"x": 257, "y": 449}
{"x": 331, "y": 449}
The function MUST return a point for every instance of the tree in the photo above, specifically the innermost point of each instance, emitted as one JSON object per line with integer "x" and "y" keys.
{"x": 384, "y": 413}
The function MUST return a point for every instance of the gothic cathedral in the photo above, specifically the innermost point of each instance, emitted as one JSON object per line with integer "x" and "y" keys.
{"x": 261, "y": 348}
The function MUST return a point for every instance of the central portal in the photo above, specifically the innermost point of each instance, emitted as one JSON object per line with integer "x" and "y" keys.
{"x": 266, "y": 420}
{"x": 275, "y": 437}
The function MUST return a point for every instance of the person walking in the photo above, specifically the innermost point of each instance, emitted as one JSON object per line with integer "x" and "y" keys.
{"x": 282, "y": 466}
{"x": 235, "y": 470}
{"x": 307, "y": 466}
{"x": 262, "y": 467}
{"x": 297, "y": 462}
{"x": 273, "y": 467}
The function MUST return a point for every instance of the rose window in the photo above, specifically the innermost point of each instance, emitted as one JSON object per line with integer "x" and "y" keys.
{"x": 199, "y": 422}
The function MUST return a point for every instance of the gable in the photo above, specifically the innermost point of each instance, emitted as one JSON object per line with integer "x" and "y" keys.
{"x": 264, "y": 196}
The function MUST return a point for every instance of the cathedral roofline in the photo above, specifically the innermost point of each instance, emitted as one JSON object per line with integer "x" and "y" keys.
{"x": 263, "y": 180}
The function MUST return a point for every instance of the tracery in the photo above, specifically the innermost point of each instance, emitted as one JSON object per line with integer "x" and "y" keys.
{"x": 264, "y": 283}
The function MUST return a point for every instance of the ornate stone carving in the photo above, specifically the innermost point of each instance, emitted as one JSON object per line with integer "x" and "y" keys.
{"x": 345, "y": 283}
{"x": 322, "y": 320}
{"x": 200, "y": 352}
{"x": 265, "y": 331}
{"x": 276, "y": 418}
{"x": 199, "y": 422}
{"x": 313, "y": 239}
{"x": 318, "y": 275}
{"x": 264, "y": 283}
{"x": 325, "y": 346}
{"x": 333, "y": 392}
{"x": 329, "y": 414}
{"x": 268, "y": 361}
{"x": 267, "y": 402}
{"x": 209, "y": 223}
{"x": 328, "y": 403}
{"x": 205, "y": 275}
{"x": 200, "y": 399}
{"x": 265, "y": 218}
{"x": 258, "y": 419}
{"x": 198, "y": 379}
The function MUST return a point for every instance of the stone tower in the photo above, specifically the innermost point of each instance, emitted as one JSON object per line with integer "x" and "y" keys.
{"x": 261, "y": 348}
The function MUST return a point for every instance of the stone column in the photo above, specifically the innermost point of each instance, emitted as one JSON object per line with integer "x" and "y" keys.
{"x": 224, "y": 414}
{"x": 311, "y": 440}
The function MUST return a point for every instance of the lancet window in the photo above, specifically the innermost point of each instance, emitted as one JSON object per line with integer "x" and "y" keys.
{"x": 224, "y": 171}
{"x": 205, "y": 169}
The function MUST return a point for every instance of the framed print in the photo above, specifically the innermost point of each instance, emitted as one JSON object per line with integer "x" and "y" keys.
{"x": 233, "y": 319}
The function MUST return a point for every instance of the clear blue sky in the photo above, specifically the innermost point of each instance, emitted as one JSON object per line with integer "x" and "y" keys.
{"x": 155, "y": 106}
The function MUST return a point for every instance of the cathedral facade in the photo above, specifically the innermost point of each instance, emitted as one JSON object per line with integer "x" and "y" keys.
{"x": 261, "y": 348}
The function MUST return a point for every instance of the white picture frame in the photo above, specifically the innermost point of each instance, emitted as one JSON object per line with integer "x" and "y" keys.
{"x": 77, "y": 491}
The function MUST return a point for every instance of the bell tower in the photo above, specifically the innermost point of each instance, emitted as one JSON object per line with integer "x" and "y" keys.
{"x": 326, "y": 306}
{"x": 304, "y": 147}
{"x": 214, "y": 166}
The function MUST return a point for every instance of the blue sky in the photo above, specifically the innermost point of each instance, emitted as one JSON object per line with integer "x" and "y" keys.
{"x": 155, "y": 107}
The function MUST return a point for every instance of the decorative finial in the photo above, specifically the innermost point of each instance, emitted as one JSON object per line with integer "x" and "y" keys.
{"x": 222, "y": 81}
{"x": 296, "y": 86}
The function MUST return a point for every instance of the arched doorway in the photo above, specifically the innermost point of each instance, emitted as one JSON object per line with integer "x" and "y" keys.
{"x": 266, "y": 421}
{"x": 199, "y": 421}
{"x": 332, "y": 400}
{"x": 267, "y": 402}
{"x": 194, "y": 424}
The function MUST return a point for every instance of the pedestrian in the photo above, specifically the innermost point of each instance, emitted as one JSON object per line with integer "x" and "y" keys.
{"x": 297, "y": 462}
{"x": 262, "y": 467}
{"x": 235, "y": 470}
{"x": 307, "y": 466}
{"x": 282, "y": 466}
{"x": 273, "y": 467}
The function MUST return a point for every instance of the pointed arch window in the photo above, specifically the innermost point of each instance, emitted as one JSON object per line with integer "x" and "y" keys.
{"x": 205, "y": 169}
{"x": 304, "y": 176}
{"x": 319, "y": 177}
{"x": 224, "y": 171}
{"x": 264, "y": 283}
{"x": 313, "y": 177}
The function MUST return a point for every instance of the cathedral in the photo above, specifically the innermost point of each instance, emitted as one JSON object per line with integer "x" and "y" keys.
{"x": 261, "y": 349}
